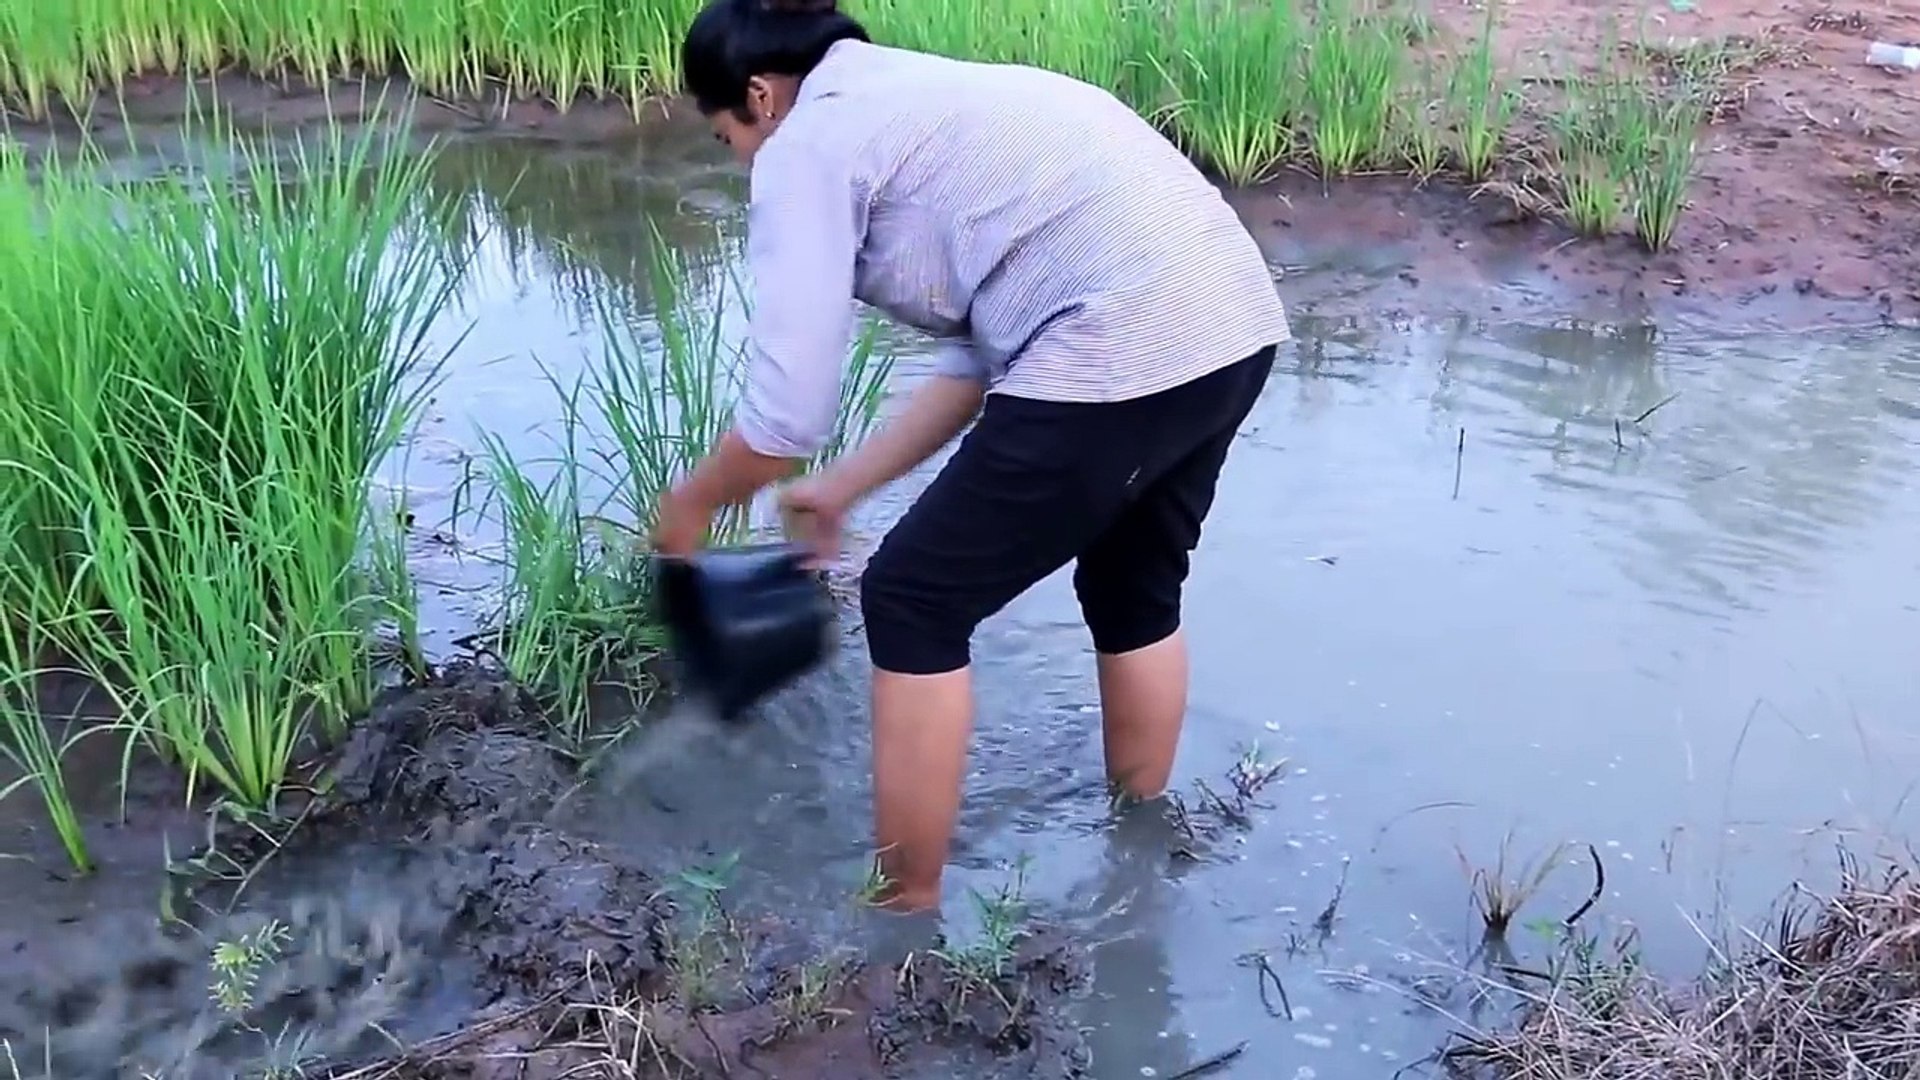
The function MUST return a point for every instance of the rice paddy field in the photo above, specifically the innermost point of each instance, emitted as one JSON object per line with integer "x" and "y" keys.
{"x": 1338, "y": 86}
{"x": 331, "y": 726}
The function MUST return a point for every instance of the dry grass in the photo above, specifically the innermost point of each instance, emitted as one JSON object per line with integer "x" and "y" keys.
{"x": 1831, "y": 992}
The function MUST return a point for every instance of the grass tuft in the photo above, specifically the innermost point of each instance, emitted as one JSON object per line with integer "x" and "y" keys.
{"x": 1829, "y": 991}
{"x": 203, "y": 371}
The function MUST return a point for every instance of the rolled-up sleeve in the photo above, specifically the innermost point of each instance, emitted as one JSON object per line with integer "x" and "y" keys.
{"x": 805, "y": 221}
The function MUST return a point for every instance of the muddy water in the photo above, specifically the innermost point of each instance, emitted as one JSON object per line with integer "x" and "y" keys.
{"x": 1450, "y": 578}
{"x": 1442, "y": 581}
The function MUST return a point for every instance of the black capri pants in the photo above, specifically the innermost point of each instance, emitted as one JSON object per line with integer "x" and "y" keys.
{"x": 1121, "y": 488}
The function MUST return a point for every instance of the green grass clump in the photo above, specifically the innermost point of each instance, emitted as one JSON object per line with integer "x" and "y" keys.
{"x": 1624, "y": 144}
{"x": 1482, "y": 104}
{"x": 202, "y": 374}
{"x": 1232, "y": 78}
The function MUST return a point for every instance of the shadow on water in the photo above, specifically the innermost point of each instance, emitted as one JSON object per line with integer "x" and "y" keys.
{"x": 1668, "y": 611}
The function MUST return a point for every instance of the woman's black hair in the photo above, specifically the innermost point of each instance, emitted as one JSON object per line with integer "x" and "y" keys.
{"x": 731, "y": 41}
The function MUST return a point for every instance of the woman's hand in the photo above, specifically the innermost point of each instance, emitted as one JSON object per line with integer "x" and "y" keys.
{"x": 815, "y": 508}
{"x": 680, "y": 523}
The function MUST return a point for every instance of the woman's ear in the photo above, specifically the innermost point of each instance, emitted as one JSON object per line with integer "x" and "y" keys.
{"x": 760, "y": 99}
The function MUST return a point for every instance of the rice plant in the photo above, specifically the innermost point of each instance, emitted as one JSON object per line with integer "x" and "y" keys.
{"x": 1421, "y": 116}
{"x": 1232, "y": 73}
{"x": 1593, "y": 152}
{"x": 204, "y": 372}
{"x": 1660, "y": 179}
{"x": 1482, "y": 105}
{"x": 26, "y": 742}
{"x": 1245, "y": 86}
{"x": 1354, "y": 68}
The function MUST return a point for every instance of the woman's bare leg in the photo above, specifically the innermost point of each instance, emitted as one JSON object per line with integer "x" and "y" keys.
{"x": 921, "y": 727}
{"x": 1143, "y": 702}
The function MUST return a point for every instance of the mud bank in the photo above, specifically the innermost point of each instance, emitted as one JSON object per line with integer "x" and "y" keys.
{"x": 1804, "y": 211}
{"x": 426, "y": 916}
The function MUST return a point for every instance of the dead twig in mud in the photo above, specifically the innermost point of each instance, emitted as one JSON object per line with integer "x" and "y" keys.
{"x": 1250, "y": 775}
{"x": 1234, "y": 814}
{"x": 1459, "y": 462}
{"x": 1599, "y": 887}
{"x": 700, "y": 1025}
{"x": 443, "y": 1047}
{"x": 1323, "y": 923}
{"x": 1213, "y": 1064}
{"x": 1654, "y": 408}
{"x": 1273, "y": 992}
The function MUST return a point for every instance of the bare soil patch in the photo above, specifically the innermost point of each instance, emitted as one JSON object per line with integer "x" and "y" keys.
{"x": 1805, "y": 208}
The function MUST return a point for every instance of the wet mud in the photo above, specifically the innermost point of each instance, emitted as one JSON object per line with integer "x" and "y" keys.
{"x": 423, "y": 915}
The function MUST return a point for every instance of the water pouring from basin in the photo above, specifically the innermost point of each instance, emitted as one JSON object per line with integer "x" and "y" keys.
{"x": 743, "y": 622}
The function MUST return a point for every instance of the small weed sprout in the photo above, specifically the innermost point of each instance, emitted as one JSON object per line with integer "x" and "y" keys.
{"x": 875, "y": 886}
{"x": 1498, "y": 897}
{"x": 808, "y": 1003}
{"x": 979, "y": 966}
{"x": 702, "y": 947}
{"x": 237, "y": 965}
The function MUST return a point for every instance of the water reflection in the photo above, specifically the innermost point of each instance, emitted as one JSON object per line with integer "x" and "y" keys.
{"x": 580, "y": 221}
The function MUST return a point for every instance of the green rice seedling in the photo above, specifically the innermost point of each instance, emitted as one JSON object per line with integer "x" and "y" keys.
{"x": 1422, "y": 119}
{"x": 1592, "y": 195}
{"x": 1481, "y": 104}
{"x": 205, "y": 378}
{"x": 1355, "y": 64}
{"x": 1232, "y": 79}
{"x": 1673, "y": 116}
{"x": 390, "y": 574}
{"x": 25, "y": 741}
{"x": 1660, "y": 180}
{"x": 1592, "y": 156}
{"x": 569, "y": 617}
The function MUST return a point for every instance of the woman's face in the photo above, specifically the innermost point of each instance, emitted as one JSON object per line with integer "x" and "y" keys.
{"x": 768, "y": 99}
{"x": 742, "y": 138}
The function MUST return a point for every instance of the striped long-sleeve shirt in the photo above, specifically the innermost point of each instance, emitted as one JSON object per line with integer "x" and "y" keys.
{"x": 1057, "y": 246}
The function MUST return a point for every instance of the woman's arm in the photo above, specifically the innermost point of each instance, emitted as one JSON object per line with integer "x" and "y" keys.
{"x": 804, "y": 225}
{"x": 935, "y": 412}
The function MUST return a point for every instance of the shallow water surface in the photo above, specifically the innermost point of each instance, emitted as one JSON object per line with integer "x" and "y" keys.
{"x": 1649, "y": 592}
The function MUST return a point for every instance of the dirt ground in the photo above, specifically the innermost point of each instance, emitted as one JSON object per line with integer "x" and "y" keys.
{"x": 437, "y": 921}
{"x": 1805, "y": 209}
